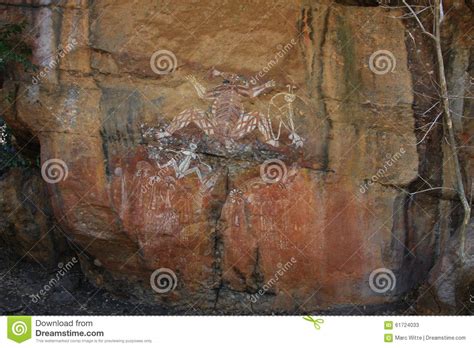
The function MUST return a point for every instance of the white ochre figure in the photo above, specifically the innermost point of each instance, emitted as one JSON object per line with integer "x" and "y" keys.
{"x": 184, "y": 166}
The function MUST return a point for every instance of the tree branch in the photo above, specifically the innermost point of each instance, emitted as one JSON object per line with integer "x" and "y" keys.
{"x": 449, "y": 125}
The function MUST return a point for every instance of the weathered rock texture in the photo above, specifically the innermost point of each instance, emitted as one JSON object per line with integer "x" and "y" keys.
{"x": 26, "y": 223}
{"x": 227, "y": 237}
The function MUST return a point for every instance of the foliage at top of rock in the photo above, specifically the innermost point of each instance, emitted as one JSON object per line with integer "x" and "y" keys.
{"x": 12, "y": 47}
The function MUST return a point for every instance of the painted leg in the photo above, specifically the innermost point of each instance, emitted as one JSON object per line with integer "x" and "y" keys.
{"x": 265, "y": 128}
{"x": 193, "y": 170}
{"x": 183, "y": 119}
{"x": 246, "y": 124}
{"x": 296, "y": 140}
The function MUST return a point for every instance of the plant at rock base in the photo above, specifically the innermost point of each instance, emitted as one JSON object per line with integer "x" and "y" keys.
{"x": 8, "y": 156}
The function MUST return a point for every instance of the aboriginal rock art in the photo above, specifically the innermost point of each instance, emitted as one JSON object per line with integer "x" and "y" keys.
{"x": 172, "y": 207}
{"x": 184, "y": 166}
{"x": 282, "y": 105}
{"x": 167, "y": 206}
{"x": 183, "y": 162}
{"x": 227, "y": 119}
{"x": 254, "y": 195}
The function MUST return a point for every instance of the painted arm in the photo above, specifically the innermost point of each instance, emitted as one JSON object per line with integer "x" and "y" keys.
{"x": 200, "y": 89}
{"x": 257, "y": 90}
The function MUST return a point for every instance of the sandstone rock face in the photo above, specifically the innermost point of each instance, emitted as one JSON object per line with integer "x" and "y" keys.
{"x": 449, "y": 288}
{"x": 245, "y": 225}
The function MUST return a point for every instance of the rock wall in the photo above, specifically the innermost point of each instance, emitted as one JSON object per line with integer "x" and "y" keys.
{"x": 26, "y": 222}
{"x": 138, "y": 194}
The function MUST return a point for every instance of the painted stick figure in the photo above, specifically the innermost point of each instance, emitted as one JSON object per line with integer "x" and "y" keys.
{"x": 183, "y": 167}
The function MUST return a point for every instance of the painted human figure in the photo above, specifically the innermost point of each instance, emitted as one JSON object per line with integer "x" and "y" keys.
{"x": 183, "y": 167}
